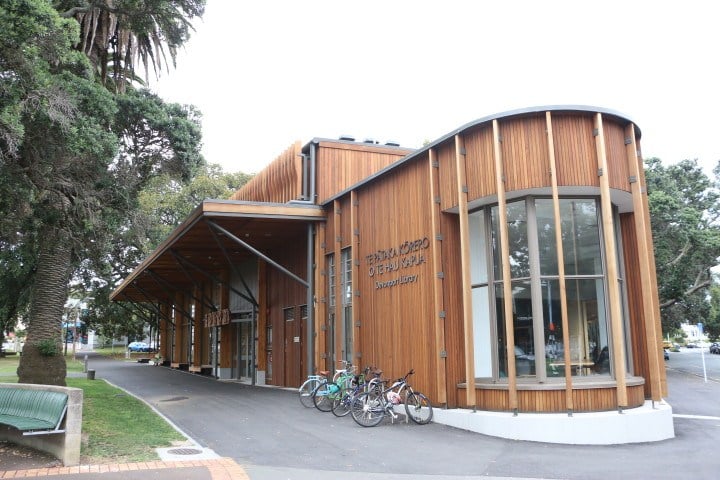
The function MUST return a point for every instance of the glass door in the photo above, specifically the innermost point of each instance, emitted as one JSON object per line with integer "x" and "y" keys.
{"x": 245, "y": 353}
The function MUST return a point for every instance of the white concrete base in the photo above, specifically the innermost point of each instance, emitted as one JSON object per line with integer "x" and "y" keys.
{"x": 649, "y": 423}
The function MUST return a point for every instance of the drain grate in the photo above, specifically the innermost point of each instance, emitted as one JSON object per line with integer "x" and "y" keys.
{"x": 184, "y": 451}
{"x": 174, "y": 399}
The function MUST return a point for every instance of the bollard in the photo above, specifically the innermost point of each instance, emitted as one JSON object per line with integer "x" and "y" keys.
{"x": 85, "y": 365}
{"x": 91, "y": 374}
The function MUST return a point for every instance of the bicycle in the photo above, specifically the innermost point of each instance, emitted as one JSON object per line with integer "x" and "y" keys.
{"x": 310, "y": 386}
{"x": 358, "y": 384}
{"x": 368, "y": 409}
{"x": 327, "y": 392}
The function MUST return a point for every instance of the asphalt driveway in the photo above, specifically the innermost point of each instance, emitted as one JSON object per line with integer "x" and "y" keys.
{"x": 269, "y": 431}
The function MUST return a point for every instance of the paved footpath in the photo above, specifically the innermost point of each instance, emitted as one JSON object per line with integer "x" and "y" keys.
{"x": 221, "y": 469}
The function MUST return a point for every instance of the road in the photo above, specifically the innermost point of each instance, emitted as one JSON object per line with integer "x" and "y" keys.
{"x": 268, "y": 431}
{"x": 690, "y": 361}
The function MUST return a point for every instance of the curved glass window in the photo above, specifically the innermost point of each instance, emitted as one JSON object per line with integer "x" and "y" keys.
{"x": 539, "y": 337}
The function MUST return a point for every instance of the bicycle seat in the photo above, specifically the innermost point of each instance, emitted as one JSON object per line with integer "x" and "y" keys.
{"x": 324, "y": 373}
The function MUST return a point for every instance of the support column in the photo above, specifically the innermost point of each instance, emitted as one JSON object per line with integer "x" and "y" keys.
{"x": 198, "y": 330}
{"x": 561, "y": 263}
{"x": 438, "y": 300}
{"x": 180, "y": 353}
{"x": 507, "y": 280}
{"x": 470, "y": 394}
{"x": 611, "y": 260}
{"x": 646, "y": 260}
{"x": 321, "y": 289}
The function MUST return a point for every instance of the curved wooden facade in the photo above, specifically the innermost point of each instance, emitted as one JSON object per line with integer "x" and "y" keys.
{"x": 441, "y": 260}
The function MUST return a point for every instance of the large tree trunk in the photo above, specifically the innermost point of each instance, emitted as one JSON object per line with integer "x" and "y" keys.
{"x": 47, "y": 303}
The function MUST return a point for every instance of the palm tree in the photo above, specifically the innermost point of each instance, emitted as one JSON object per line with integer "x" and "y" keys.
{"x": 118, "y": 36}
{"x": 65, "y": 159}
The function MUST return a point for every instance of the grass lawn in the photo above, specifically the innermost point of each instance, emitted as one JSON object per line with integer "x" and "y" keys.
{"x": 116, "y": 426}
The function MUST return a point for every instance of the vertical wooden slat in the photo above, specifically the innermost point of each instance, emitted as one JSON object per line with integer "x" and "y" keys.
{"x": 645, "y": 259}
{"x": 355, "y": 256}
{"x": 561, "y": 262}
{"x": 465, "y": 270}
{"x": 437, "y": 287}
{"x": 612, "y": 262}
{"x": 505, "y": 255}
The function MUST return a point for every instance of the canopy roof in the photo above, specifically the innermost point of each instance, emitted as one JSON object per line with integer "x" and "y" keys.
{"x": 216, "y": 235}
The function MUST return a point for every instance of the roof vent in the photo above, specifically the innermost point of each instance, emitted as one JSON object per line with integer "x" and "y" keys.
{"x": 369, "y": 140}
{"x": 348, "y": 138}
{"x": 392, "y": 143}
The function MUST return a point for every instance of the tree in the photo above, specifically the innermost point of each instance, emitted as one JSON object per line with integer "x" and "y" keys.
{"x": 163, "y": 204}
{"x": 684, "y": 211}
{"x": 712, "y": 321}
{"x": 75, "y": 154}
{"x": 117, "y": 35}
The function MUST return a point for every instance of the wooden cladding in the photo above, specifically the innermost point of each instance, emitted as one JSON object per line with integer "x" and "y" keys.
{"x": 341, "y": 165}
{"x": 524, "y": 150}
{"x": 552, "y": 400}
{"x": 279, "y": 182}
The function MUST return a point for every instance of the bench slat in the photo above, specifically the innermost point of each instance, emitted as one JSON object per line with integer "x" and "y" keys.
{"x": 27, "y": 409}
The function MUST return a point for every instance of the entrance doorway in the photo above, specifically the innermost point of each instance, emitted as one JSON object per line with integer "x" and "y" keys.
{"x": 245, "y": 347}
{"x": 245, "y": 351}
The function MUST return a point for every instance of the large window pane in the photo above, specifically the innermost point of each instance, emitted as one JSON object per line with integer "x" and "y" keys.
{"x": 552, "y": 328}
{"x": 478, "y": 248}
{"x": 581, "y": 237}
{"x": 523, "y": 329}
{"x": 482, "y": 340}
{"x": 547, "y": 250}
{"x": 519, "y": 255}
{"x": 588, "y": 332}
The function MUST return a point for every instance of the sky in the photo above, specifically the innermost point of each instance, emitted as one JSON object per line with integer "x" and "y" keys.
{"x": 267, "y": 73}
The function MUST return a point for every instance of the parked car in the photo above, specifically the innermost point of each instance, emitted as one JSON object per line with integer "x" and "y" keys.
{"x": 691, "y": 345}
{"x": 139, "y": 347}
{"x": 715, "y": 348}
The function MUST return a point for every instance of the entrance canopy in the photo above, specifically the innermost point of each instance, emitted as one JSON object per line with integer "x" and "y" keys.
{"x": 217, "y": 235}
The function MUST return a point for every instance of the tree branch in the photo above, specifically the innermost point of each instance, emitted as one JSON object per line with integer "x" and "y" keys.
{"x": 680, "y": 256}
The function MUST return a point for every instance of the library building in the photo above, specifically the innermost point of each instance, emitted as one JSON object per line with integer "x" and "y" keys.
{"x": 509, "y": 263}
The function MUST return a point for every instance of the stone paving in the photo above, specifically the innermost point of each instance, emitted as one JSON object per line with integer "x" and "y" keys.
{"x": 219, "y": 469}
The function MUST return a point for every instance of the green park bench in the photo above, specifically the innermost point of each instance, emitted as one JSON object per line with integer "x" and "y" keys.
{"x": 33, "y": 412}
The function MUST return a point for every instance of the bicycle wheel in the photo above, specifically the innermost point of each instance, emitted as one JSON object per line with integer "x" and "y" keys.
{"x": 325, "y": 395}
{"x": 306, "y": 391}
{"x": 341, "y": 405}
{"x": 418, "y": 408}
{"x": 368, "y": 409}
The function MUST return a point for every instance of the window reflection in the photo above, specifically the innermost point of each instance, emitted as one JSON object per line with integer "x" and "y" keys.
{"x": 539, "y": 346}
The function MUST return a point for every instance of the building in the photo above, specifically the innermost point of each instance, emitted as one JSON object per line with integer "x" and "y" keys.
{"x": 442, "y": 259}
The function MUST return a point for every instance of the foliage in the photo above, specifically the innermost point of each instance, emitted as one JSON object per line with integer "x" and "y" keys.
{"x": 73, "y": 153}
{"x": 162, "y": 205}
{"x": 684, "y": 211}
{"x": 48, "y": 347}
{"x": 165, "y": 203}
{"x": 119, "y": 35}
{"x": 119, "y": 427}
{"x": 712, "y": 321}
